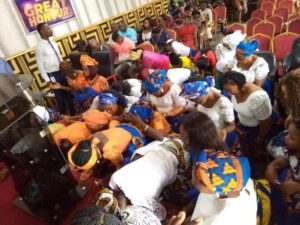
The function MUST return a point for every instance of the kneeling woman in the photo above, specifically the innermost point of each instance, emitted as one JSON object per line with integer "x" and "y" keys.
{"x": 116, "y": 144}
{"x": 222, "y": 179}
{"x": 218, "y": 107}
{"x": 156, "y": 167}
{"x": 166, "y": 97}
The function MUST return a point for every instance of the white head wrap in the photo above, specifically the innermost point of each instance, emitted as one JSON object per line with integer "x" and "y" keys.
{"x": 232, "y": 40}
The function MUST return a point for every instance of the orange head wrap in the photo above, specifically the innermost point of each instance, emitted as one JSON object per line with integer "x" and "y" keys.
{"x": 86, "y": 60}
{"x": 94, "y": 117}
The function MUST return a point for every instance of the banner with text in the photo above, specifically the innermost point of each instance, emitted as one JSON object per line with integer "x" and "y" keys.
{"x": 34, "y": 12}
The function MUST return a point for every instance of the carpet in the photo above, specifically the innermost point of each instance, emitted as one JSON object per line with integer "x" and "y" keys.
{"x": 12, "y": 215}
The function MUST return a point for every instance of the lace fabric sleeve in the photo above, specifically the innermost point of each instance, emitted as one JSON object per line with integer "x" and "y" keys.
{"x": 260, "y": 105}
{"x": 226, "y": 110}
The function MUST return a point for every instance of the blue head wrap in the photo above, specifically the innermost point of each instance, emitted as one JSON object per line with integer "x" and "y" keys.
{"x": 144, "y": 111}
{"x": 107, "y": 99}
{"x": 221, "y": 172}
{"x": 248, "y": 47}
{"x": 155, "y": 81}
{"x": 197, "y": 88}
{"x": 86, "y": 94}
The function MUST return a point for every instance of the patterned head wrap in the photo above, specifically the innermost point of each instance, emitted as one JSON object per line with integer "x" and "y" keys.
{"x": 95, "y": 215}
{"x": 248, "y": 47}
{"x": 107, "y": 99}
{"x": 221, "y": 172}
{"x": 138, "y": 215}
{"x": 135, "y": 55}
{"x": 94, "y": 117}
{"x": 144, "y": 111}
{"x": 193, "y": 90}
{"x": 155, "y": 81}
{"x": 105, "y": 199}
{"x": 155, "y": 207}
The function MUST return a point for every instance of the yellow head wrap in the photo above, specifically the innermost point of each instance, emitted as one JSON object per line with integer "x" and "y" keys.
{"x": 135, "y": 55}
{"x": 93, "y": 159}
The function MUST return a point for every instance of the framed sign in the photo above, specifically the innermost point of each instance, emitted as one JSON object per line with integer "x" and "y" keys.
{"x": 34, "y": 12}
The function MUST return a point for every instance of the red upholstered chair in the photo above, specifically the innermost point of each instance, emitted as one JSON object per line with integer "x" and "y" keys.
{"x": 172, "y": 34}
{"x": 268, "y": 7}
{"x": 263, "y": 1}
{"x": 282, "y": 45}
{"x": 288, "y": 4}
{"x": 250, "y": 25}
{"x": 215, "y": 19}
{"x": 237, "y": 26}
{"x": 278, "y": 2}
{"x": 294, "y": 26}
{"x": 277, "y": 21}
{"x": 264, "y": 41}
{"x": 266, "y": 28}
{"x": 221, "y": 14}
{"x": 147, "y": 46}
{"x": 283, "y": 12}
{"x": 292, "y": 17}
{"x": 260, "y": 14}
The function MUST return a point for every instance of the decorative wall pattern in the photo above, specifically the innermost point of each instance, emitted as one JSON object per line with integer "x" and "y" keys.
{"x": 87, "y": 12}
{"x": 25, "y": 62}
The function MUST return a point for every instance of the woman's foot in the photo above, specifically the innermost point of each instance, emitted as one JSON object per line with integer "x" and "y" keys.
{"x": 3, "y": 174}
{"x": 86, "y": 175}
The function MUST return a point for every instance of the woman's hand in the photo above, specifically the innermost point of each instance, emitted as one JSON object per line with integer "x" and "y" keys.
{"x": 135, "y": 119}
{"x": 222, "y": 134}
{"x": 180, "y": 218}
{"x": 226, "y": 69}
{"x": 55, "y": 86}
{"x": 70, "y": 81}
{"x": 289, "y": 188}
{"x": 288, "y": 121}
{"x": 67, "y": 119}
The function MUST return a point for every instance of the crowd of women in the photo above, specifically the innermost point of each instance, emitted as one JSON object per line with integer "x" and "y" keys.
{"x": 165, "y": 133}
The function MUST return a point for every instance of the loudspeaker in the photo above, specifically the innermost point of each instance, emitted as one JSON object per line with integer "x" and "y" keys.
{"x": 40, "y": 173}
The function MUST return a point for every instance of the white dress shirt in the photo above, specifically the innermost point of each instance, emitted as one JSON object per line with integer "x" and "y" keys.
{"x": 47, "y": 60}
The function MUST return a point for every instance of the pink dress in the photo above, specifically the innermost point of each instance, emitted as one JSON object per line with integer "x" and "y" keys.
{"x": 153, "y": 60}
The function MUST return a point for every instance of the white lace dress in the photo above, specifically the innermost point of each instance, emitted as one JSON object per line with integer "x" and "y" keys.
{"x": 258, "y": 71}
{"x": 255, "y": 108}
{"x": 221, "y": 113}
{"x": 172, "y": 98}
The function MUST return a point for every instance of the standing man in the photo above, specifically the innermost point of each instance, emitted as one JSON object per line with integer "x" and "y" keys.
{"x": 4, "y": 67}
{"x": 127, "y": 31}
{"x": 48, "y": 59}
